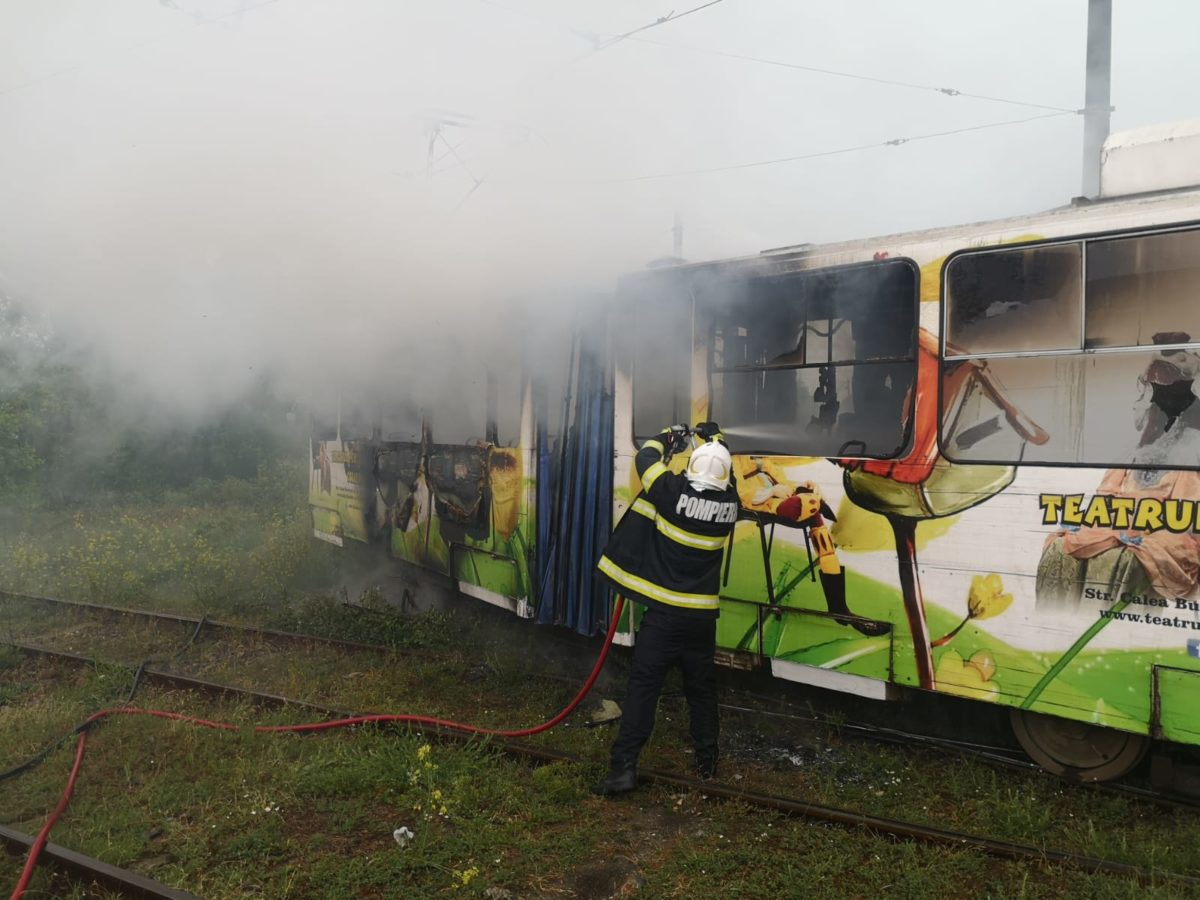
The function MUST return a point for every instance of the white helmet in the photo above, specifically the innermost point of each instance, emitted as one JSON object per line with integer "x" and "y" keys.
{"x": 709, "y": 467}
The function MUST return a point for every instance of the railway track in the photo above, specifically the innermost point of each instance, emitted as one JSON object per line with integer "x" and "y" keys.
{"x": 1000, "y": 757}
{"x": 203, "y": 623}
{"x": 879, "y": 825}
{"x": 87, "y": 870}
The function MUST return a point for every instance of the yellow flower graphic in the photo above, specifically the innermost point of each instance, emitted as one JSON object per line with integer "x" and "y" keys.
{"x": 972, "y": 678}
{"x": 986, "y": 598}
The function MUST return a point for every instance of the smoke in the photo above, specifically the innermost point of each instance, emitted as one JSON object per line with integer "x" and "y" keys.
{"x": 201, "y": 194}
{"x": 330, "y": 198}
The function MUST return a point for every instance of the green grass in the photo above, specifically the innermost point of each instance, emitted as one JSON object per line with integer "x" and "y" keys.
{"x": 245, "y": 814}
{"x": 240, "y": 814}
{"x": 227, "y": 548}
{"x": 233, "y": 814}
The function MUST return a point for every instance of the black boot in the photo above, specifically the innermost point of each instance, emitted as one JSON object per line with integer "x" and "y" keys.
{"x": 620, "y": 780}
{"x": 706, "y": 765}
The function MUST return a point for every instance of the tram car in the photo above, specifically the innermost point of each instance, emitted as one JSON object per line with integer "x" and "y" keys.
{"x": 968, "y": 461}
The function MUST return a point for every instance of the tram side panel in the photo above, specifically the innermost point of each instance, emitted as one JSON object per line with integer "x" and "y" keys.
{"x": 466, "y": 510}
{"x": 340, "y": 489}
{"x": 1036, "y": 545}
{"x": 1095, "y": 340}
{"x": 463, "y": 507}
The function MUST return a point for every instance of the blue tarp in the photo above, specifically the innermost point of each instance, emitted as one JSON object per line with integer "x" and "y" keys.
{"x": 574, "y": 498}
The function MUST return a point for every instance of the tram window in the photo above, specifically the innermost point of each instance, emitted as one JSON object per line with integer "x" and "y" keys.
{"x": 1139, "y": 287}
{"x": 817, "y": 363}
{"x": 509, "y": 397}
{"x": 775, "y": 411}
{"x": 401, "y": 422}
{"x": 459, "y": 415}
{"x": 324, "y": 425}
{"x": 1095, "y": 409}
{"x": 1123, "y": 395}
{"x": 1140, "y": 409}
{"x": 659, "y": 328}
{"x": 993, "y": 409}
{"x": 357, "y": 421}
{"x": 324, "y": 430}
{"x": 1014, "y": 300}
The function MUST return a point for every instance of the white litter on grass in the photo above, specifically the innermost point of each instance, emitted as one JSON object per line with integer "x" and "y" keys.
{"x": 608, "y": 712}
{"x": 403, "y": 835}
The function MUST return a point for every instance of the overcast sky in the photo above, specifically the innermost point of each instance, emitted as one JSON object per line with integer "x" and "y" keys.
{"x": 198, "y": 185}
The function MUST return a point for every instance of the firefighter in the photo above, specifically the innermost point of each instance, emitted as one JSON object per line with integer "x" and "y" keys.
{"x": 666, "y": 554}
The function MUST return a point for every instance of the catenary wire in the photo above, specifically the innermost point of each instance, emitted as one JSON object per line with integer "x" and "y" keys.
{"x": 894, "y": 142}
{"x": 745, "y": 57}
{"x": 837, "y": 73}
{"x": 669, "y": 17}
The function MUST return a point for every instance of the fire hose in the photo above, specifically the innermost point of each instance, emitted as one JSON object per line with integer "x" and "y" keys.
{"x": 378, "y": 719}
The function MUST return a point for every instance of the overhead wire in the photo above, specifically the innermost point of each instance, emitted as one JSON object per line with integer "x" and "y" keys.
{"x": 762, "y": 60}
{"x": 837, "y": 73}
{"x": 893, "y": 142}
{"x": 663, "y": 20}
{"x": 1053, "y": 111}
{"x": 598, "y": 43}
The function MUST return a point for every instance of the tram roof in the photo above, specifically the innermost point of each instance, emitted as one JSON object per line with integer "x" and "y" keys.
{"x": 1079, "y": 217}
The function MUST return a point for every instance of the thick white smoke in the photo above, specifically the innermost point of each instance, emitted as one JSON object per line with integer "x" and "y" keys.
{"x": 204, "y": 191}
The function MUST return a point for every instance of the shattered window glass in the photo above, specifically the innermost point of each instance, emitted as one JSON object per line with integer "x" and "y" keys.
{"x": 816, "y": 363}
{"x": 1014, "y": 300}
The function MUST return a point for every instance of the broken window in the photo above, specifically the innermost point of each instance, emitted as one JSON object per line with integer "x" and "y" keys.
{"x": 458, "y": 408}
{"x": 1014, "y": 300}
{"x": 357, "y": 420}
{"x": 815, "y": 363}
{"x": 507, "y": 398}
{"x": 401, "y": 422}
{"x": 657, "y": 323}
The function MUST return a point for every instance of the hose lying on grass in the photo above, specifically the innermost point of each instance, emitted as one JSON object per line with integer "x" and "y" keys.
{"x": 96, "y": 718}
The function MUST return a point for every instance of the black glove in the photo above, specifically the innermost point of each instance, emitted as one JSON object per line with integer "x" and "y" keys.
{"x": 707, "y": 430}
{"x": 676, "y": 437}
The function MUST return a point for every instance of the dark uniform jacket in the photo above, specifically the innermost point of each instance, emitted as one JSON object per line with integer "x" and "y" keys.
{"x": 668, "y": 547}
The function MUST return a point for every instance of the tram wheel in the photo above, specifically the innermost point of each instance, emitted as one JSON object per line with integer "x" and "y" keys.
{"x": 1077, "y": 750}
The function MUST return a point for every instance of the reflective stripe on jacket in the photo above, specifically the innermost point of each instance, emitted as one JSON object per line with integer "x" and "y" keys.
{"x": 668, "y": 547}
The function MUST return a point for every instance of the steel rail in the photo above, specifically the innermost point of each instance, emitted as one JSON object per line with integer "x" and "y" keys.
{"x": 270, "y": 633}
{"x": 91, "y": 870}
{"x": 894, "y": 737}
{"x": 880, "y": 825}
{"x": 865, "y": 731}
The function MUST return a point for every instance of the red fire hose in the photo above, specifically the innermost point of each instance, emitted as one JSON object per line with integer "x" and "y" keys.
{"x": 44, "y": 834}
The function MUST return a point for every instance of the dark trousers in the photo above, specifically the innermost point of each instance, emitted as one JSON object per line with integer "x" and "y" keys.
{"x": 665, "y": 640}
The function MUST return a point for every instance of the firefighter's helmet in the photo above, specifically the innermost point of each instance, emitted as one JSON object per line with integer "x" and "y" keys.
{"x": 709, "y": 467}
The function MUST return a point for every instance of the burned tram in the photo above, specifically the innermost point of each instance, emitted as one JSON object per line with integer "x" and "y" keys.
{"x": 993, "y": 430}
